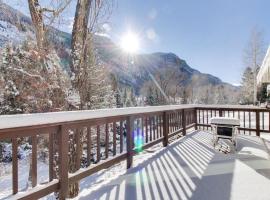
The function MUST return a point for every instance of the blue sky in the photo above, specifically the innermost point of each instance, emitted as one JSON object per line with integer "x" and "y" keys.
{"x": 209, "y": 34}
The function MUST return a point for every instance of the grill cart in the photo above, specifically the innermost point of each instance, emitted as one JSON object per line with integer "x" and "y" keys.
{"x": 224, "y": 127}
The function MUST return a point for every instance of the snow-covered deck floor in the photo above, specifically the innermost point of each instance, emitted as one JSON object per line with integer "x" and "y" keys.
{"x": 191, "y": 169}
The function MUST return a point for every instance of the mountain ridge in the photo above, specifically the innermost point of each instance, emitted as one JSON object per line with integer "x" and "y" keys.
{"x": 133, "y": 72}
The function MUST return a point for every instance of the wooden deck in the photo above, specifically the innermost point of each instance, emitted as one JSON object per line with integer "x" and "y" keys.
{"x": 96, "y": 140}
{"x": 190, "y": 168}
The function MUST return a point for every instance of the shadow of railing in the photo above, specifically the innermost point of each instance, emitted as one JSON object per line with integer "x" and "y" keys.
{"x": 172, "y": 173}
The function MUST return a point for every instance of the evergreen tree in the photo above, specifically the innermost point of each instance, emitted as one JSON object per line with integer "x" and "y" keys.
{"x": 31, "y": 82}
{"x": 124, "y": 97}
{"x": 133, "y": 98}
{"x": 150, "y": 99}
{"x": 93, "y": 84}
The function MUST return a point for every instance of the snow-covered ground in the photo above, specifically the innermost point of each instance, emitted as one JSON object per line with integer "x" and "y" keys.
{"x": 191, "y": 169}
{"x": 10, "y": 33}
{"x": 188, "y": 169}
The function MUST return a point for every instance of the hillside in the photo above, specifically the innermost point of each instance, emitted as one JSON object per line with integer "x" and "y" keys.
{"x": 132, "y": 72}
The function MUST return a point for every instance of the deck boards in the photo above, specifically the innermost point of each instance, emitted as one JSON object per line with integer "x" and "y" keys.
{"x": 191, "y": 169}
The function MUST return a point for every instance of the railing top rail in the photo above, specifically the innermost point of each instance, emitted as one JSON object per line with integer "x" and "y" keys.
{"x": 234, "y": 107}
{"x": 57, "y": 118}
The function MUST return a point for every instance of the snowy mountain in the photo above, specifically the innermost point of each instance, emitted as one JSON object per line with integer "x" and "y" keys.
{"x": 132, "y": 72}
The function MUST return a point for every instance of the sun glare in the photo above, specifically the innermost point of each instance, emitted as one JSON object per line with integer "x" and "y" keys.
{"x": 130, "y": 42}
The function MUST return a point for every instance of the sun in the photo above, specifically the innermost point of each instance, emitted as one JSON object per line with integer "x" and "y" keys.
{"x": 130, "y": 42}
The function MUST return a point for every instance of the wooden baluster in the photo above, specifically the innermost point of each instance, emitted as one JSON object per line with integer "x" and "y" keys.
{"x": 184, "y": 122}
{"x": 170, "y": 123}
{"x": 263, "y": 120}
{"x": 257, "y": 123}
{"x": 154, "y": 127}
{"x": 207, "y": 118}
{"x": 211, "y": 115}
{"x": 51, "y": 154}
{"x": 142, "y": 128}
{"x": 89, "y": 145}
{"x": 15, "y": 165}
{"x": 220, "y": 113}
{"x": 178, "y": 123}
{"x": 150, "y": 123}
{"x": 146, "y": 129}
{"x": 106, "y": 141}
{"x": 165, "y": 129}
{"x": 130, "y": 137}
{"x": 78, "y": 135}
{"x": 157, "y": 126}
{"x": 180, "y": 114}
{"x": 34, "y": 161}
{"x": 195, "y": 119}
{"x": 190, "y": 117}
{"x": 121, "y": 136}
{"x": 114, "y": 138}
{"x": 98, "y": 143}
{"x": 156, "y": 130}
{"x": 244, "y": 122}
{"x": 239, "y": 117}
{"x": 174, "y": 122}
{"x": 203, "y": 118}
{"x": 249, "y": 121}
{"x": 269, "y": 121}
{"x": 161, "y": 125}
{"x": 199, "y": 117}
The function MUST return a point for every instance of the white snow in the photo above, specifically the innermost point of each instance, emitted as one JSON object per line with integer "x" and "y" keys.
{"x": 24, "y": 120}
{"x": 23, "y": 174}
{"x": 188, "y": 168}
{"x": 191, "y": 169}
{"x": 225, "y": 120}
{"x": 10, "y": 33}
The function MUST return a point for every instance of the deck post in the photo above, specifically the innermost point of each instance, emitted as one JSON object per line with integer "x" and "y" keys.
{"x": 165, "y": 129}
{"x": 130, "y": 136}
{"x": 63, "y": 162}
{"x": 184, "y": 122}
{"x": 257, "y": 123}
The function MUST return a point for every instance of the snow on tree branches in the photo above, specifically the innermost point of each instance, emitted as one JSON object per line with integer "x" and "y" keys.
{"x": 31, "y": 84}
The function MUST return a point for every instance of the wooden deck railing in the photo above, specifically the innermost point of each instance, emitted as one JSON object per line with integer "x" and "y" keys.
{"x": 253, "y": 120}
{"x": 84, "y": 142}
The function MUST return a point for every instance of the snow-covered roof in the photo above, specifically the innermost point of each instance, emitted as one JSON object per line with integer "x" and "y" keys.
{"x": 263, "y": 75}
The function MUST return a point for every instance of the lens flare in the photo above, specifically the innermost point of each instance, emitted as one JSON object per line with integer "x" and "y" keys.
{"x": 130, "y": 42}
{"x": 139, "y": 142}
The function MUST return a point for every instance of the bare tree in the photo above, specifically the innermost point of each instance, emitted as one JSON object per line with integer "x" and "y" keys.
{"x": 89, "y": 15}
{"x": 164, "y": 86}
{"x": 39, "y": 14}
{"x": 253, "y": 56}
